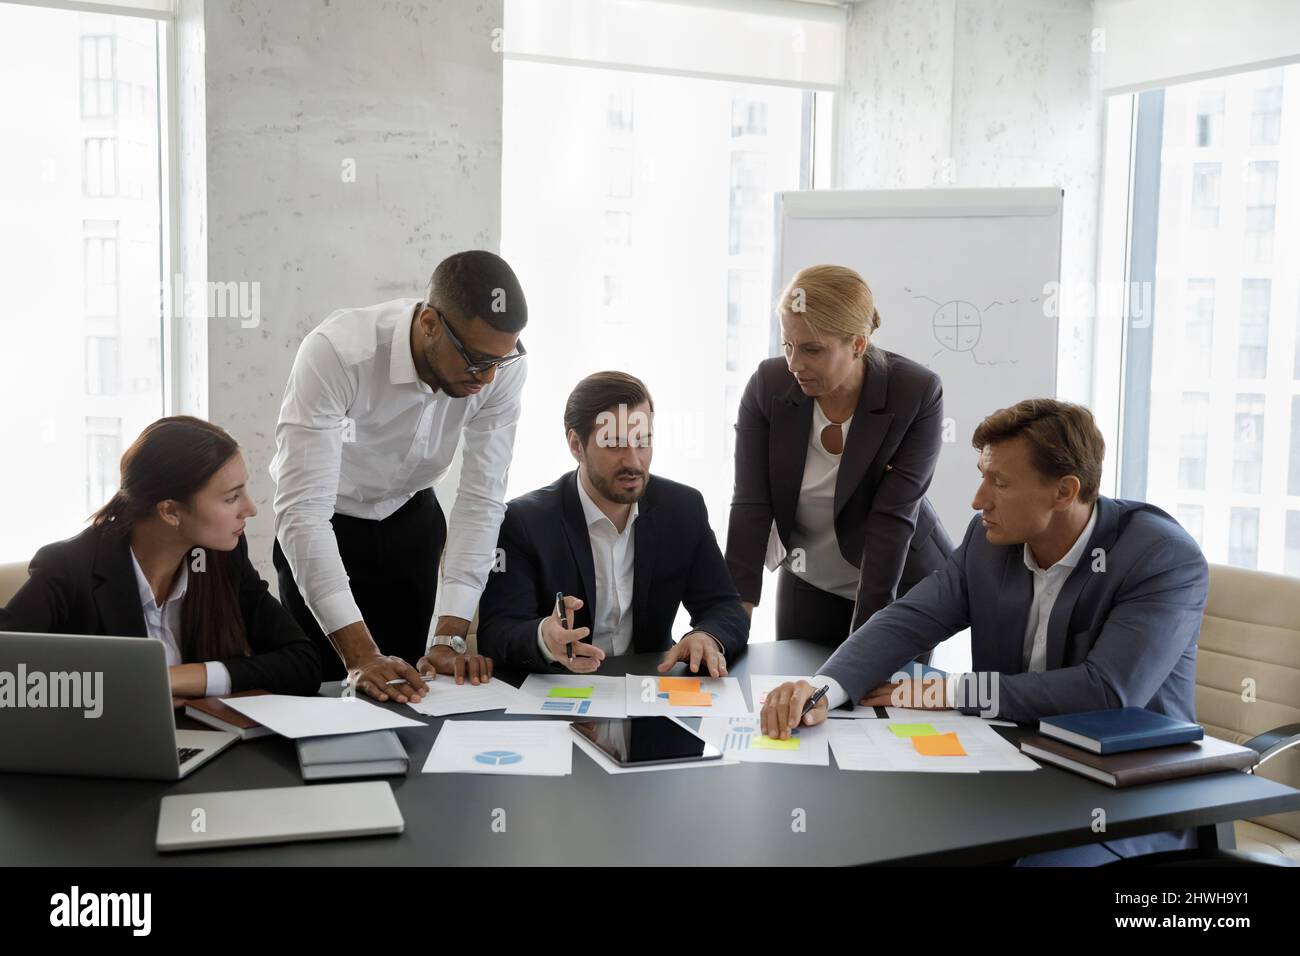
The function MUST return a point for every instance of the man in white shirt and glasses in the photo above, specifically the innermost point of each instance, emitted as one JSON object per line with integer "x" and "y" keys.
{"x": 376, "y": 404}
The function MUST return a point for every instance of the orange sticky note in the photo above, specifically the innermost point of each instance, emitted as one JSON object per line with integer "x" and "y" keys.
{"x": 669, "y": 684}
{"x": 687, "y": 698}
{"x": 938, "y": 745}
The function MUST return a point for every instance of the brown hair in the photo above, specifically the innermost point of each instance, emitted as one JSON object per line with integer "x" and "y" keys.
{"x": 834, "y": 300}
{"x": 599, "y": 392}
{"x": 171, "y": 460}
{"x": 1063, "y": 439}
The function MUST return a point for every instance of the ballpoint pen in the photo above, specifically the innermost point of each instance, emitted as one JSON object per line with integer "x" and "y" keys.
{"x": 559, "y": 612}
{"x": 812, "y": 702}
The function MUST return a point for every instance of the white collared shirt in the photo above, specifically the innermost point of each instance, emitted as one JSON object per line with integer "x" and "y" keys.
{"x": 613, "y": 556}
{"x": 163, "y": 623}
{"x": 360, "y": 433}
{"x": 1047, "y": 586}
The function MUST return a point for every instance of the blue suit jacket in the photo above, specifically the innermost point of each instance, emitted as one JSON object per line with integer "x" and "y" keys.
{"x": 1122, "y": 632}
{"x": 546, "y": 548}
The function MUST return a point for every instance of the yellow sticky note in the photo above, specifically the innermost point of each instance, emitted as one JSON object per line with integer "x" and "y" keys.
{"x": 690, "y": 685}
{"x": 938, "y": 745}
{"x": 686, "y": 698}
{"x": 912, "y": 730}
{"x": 774, "y": 743}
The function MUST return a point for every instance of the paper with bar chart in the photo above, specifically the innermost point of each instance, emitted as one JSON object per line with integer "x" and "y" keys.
{"x": 743, "y": 739}
{"x": 570, "y": 695}
{"x": 684, "y": 695}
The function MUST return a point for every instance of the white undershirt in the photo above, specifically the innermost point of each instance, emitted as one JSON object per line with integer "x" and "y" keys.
{"x": 815, "y": 554}
{"x": 163, "y": 623}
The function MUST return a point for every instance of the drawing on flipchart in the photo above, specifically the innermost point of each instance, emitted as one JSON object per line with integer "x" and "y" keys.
{"x": 959, "y": 326}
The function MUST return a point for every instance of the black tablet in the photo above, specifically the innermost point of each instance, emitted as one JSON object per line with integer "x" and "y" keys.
{"x": 643, "y": 741}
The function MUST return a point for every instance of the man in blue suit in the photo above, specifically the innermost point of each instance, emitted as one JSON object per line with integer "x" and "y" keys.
{"x": 625, "y": 550}
{"x": 1075, "y": 602}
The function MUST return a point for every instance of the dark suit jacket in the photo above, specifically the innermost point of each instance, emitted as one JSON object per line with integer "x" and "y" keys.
{"x": 1122, "y": 632}
{"x": 86, "y": 585}
{"x": 883, "y": 522}
{"x": 546, "y": 548}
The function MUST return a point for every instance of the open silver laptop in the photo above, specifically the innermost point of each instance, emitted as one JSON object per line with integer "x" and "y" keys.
{"x": 95, "y": 707}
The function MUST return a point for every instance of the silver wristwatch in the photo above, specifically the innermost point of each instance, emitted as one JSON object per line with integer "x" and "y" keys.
{"x": 454, "y": 641}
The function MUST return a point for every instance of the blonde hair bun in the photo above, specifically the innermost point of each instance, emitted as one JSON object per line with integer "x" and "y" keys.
{"x": 833, "y": 300}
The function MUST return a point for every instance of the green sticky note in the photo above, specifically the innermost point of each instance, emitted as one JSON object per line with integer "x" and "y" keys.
{"x": 773, "y": 743}
{"x": 912, "y": 730}
{"x": 580, "y": 693}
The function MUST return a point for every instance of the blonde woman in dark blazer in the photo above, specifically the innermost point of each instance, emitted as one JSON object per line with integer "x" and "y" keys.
{"x": 836, "y": 444}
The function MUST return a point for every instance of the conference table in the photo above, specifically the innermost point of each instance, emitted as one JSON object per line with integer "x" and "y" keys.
{"x": 742, "y": 814}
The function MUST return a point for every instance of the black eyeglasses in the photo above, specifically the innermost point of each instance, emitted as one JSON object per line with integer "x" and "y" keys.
{"x": 476, "y": 368}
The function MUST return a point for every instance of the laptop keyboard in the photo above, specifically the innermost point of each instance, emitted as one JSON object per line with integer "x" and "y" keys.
{"x": 185, "y": 753}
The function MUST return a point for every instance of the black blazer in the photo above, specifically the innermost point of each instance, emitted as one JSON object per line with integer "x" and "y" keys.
{"x": 884, "y": 524}
{"x": 546, "y": 548}
{"x": 86, "y": 585}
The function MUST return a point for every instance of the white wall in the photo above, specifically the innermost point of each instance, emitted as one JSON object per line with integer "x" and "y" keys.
{"x": 982, "y": 93}
{"x": 409, "y": 91}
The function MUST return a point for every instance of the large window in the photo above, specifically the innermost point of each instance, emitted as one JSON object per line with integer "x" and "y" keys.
{"x": 1210, "y": 424}
{"x": 637, "y": 210}
{"x": 80, "y": 225}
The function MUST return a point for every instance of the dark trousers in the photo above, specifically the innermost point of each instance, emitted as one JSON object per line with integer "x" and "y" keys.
{"x": 392, "y": 570}
{"x": 806, "y": 612}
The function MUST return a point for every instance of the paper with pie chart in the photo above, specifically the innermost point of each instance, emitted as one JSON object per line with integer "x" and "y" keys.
{"x": 743, "y": 739}
{"x": 570, "y": 695}
{"x": 684, "y": 695}
{"x": 539, "y": 748}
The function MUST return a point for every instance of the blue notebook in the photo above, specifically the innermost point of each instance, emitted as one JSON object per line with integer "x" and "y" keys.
{"x": 1119, "y": 730}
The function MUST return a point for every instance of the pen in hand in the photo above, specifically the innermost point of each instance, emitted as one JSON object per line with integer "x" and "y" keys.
{"x": 812, "y": 702}
{"x": 560, "y": 613}
{"x": 403, "y": 680}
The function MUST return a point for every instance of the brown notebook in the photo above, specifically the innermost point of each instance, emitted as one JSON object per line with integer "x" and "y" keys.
{"x": 1208, "y": 755}
{"x": 216, "y": 714}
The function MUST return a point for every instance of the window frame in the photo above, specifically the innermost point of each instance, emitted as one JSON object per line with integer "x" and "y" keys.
{"x": 1131, "y": 209}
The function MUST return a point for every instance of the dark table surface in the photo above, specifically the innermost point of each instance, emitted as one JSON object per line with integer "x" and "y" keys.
{"x": 739, "y": 814}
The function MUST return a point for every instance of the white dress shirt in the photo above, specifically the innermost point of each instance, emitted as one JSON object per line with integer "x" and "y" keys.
{"x": 162, "y": 622}
{"x": 1047, "y": 587}
{"x": 360, "y": 433}
{"x": 613, "y": 556}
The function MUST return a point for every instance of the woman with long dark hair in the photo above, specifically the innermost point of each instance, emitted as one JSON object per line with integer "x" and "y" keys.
{"x": 166, "y": 559}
